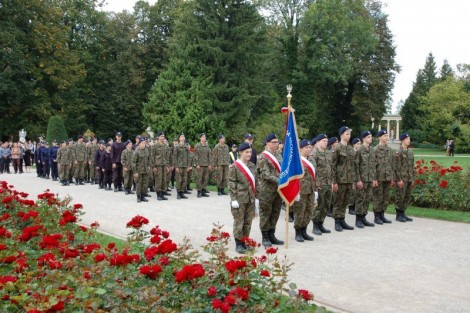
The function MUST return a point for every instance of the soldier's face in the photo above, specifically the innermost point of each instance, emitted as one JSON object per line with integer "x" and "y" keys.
{"x": 322, "y": 144}
{"x": 305, "y": 151}
{"x": 246, "y": 155}
{"x": 367, "y": 139}
{"x": 406, "y": 141}
{"x": 384, "y": 138}
{"x": 222, "y": 140}
{"x": 346, "y": 135}
{"x": 182, "y": 139}
{"x": 203, "y": 139}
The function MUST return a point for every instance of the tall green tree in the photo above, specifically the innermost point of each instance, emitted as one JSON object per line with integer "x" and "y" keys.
{"x": 56, "y": 129}
{"x": 446, "y": 71}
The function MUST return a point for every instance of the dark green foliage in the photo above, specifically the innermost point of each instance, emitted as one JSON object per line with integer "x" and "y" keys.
{"x": 56, "y": 129}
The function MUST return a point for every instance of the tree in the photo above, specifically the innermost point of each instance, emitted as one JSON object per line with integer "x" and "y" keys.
{"x": 56, "y": 129}
{"x": 446, "y": 71}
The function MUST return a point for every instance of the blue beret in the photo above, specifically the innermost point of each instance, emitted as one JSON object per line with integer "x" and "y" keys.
{"x": 314, "y": 140}
{"x": 243, "y": 146}
{"x": 102, "y": 142}
{"x": 248, "y": 136}
{"x": 404, "y": 136}
{"x": 321, "y": 137}
{"x": 201, "y": 134}
{"x": 160, "y": 134}
{"x": 79, "y": 136}
{"x": 343, "y": 129}
{"x": 381, "y": 132}
{"x": 128, "y": 142}
{"x": 365, "y": 134}
{"x": 270, "y": 137}
{"x": 119, "y": 134}
{"x": 356, "y": 140}
{"x": 234, "y": 146}
{"x": 332, "y": 140}
{"x": 70, "y": 139}
{"x": 304, "y": 142}
{"x": 220, "y": 136}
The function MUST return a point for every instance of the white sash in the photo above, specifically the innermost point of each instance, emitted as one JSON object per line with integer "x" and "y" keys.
{"x": 309, "y": 167}
{"x": 247, "y": 173}
{"x": 272, "y": 159}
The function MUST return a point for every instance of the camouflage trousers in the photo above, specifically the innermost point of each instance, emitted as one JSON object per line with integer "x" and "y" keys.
{"x": 403, "y": 196}
{"x": 269, "y": 212}
{"x": 168, "y": 178}
{"x": 324, "y": 203}
{"x": 92, "y": 171}
{"x": 352, "y": 197}
{"x": 202, "y": 177}
{"x": 79, "y": 172}
{"x": 222, "y": 174}
{"x": 181, "y": 179}
{"x": 242, "y": 218}
{"x": 363, "y": 197}
{"x": 342, "y": 199}
{"x": 303, "y": 210}
{"x": 381, "y": 196}
{"x": 141, "y": 184}
{"x": 64, "y": 170}
{"x": 86, "y": 170}
{"x": 151, "y": 179}
{"x": 72, "y": 170}
{"x": 128, "y": 179}
{"x": 160, "y": 178}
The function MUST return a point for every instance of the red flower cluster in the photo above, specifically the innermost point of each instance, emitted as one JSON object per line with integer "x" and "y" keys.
{"x": 50, "y": 260}
{"x": 233, "y": 265}
{"x": 67, "y": 217}
{"x": 5, "y": 279}
{"x": 30, "y": 232}
{"x": 218, "y": 304}
{"x": 50, "y": 241}
{"x": 123, "y": 259}
{"x": 137, "y": 221}
{"x": 89, "y": 248}
{"x": 265, "y": 273}
{"x": 46, "y": 195}
{"x": 190, "y": 272}
{"x": 223, "y": 235}
{"x": 444, "y": 184}
{"x": 305, "y": 294}
{"x": 151, "y": 271}
{"x": 271, "y": 250}
{"x": 250, "y": 242}
{"x": 100, "y": 257}
{"x": 166, "y": 247}
{"x": 240, "y": 293}
{"x": 7, "y": 200}
{"x": 25, "y": 216}
{"x": 212, "y": 291}
{"x": 4, "y": 232}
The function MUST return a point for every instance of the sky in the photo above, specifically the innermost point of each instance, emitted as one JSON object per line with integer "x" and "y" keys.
{"x": 419, "y": 27}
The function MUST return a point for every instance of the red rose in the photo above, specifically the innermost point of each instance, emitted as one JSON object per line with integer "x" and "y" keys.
{"x": 230, "y": 299}
{"x": 137, "y": 221}
{"x": 265, "y": 273}
{"x": 87, "y": 275}
{"x": 100, "y": 257}
{"x": 271, "y": 250}
{"x": 212, "y": 291}
{"x": 305, "y": 294}
{"x": 190, "y": 272}
{"x": 164, "y": 260}
{"x": 77, "y": 206}
{"x": 443, "y": 184}
{"x": 151, "y": 271}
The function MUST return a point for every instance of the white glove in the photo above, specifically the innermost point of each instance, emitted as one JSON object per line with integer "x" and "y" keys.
{"x": 297, "y": 198}
{"x": 257, "y": 204}
{"x": 234, "y": 204}
{"x": 316, "y": 196}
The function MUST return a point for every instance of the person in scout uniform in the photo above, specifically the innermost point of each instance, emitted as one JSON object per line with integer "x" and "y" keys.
{"x": 70, "y": 148}
{"x": 322, "y": 160}
{"x": 356, "y": 143}
{"x": 234, "y": 154}
{"x": 404, "y": 173}
{"x": 107, "y": 167}
{"x": 249, "y": 140}
{"x": 242, "y": 185}
{"x": 202, "y": 161}
{"x": 344, "y": 175}
{"x": 140, "y": 164}
{"x": 190, "y": 167}
{"x": 268, "y": 169}
{"x": 53, "y": 160}
{"x": 160, "y": 164}
{"x": 116, "y": 150}
{"x": 366, "y": 179}
{"x": 91, "y": 160}
{"x": 182, "y": 165}
{"x": 221, "y": 161}
{"x": 79, "y": 157}
{"x": 303, "y": 209}
{"x": 64, "y": 161}
{"x": 383, "y": 155}
{"x": 332, "y": 143}
{"x": 126, "y": 160}
{"x": 99, "y": 166}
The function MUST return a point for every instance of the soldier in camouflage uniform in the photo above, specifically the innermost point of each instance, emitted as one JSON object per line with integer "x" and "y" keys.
{"x": 303, "y": 209}
{"x": 64, "y": 161}
{"x": 404, "y": 172}
{"x": 356, "y": 143}
{"x": 268, "y": 169}
{"x": 385, "y": 177}
{"x": 202, "y": 161}
{"x": 322, "y": 160}
{"x": 161, "y": 165}
{"x": 126, "y": 160}
{"x": 366, "y": 179}
{"x": 221, "y": 161}
{"x": 181, "y": 158}
{"x": 170, "y": 166}
{"x": 242, "y": 182}
{"x": 140, "y": 164}
{"x": 190, "y": 169}
{"x": 79, "y": 157}
{"x": 332, "y": 144}
{"x": 71, "y": 146}
{"x": 91, "y": 160}
{"x": 344, "y": 175}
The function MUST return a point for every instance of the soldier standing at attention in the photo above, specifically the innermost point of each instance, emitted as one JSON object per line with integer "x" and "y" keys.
{"x": 303, "y": 209}
{"x": 99, "y": 166}
{"x": 173, "y": 171}
{"x": 221, "y": 161}
{"x": 242, "y": 185}
{"x": 126, "y": 160}
{"x": 404, "y": 173}
{"x": 45, "y": 159}
{"x": 140, "y": 167}
{"x": 116, "y": 150}
{"x": 249, "y": 140}
{"x": 160, "y": 164}
{"x": 332, "y": 143}
{"x": 169, "y": 157}
{"x": 107, "y": 167}
{"x": 344, "y": 175}
{"x": 182, "y": 165}
{"x": 322, "y": 160}
{"x": 268, "y": 168}
{"x": 356, "y": 143}
{"x": 53, "y": 160}
{"x": 385, "y": 177}
{"x": 64, "y": 161}
{"x": 202, "y": 160}
{"x": 80, "y": 157}
{"x": 190, "y": 168}
{"x": 91, "y": 159}
{"x": 366, "y": 179}
{"x": 70, "y": 148}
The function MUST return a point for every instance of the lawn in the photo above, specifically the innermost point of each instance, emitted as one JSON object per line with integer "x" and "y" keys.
{"x": 440, "y": 157}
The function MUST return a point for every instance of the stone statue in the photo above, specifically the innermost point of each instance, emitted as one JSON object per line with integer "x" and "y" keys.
{"x": 22, "y": 134}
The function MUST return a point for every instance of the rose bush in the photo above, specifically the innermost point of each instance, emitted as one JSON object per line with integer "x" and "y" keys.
{"x": 49, "y": 263}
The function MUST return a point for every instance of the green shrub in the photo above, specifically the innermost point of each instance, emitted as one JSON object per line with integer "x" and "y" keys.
{"x": 56, "y": 129}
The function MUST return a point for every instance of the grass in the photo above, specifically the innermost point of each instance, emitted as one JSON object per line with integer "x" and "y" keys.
{"x": 104, "y": 240}
{"x": 437, "y": 214}
{"x": 440, "y": 157}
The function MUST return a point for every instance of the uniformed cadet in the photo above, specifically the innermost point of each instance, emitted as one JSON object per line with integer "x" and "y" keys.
{"x": 116, "y": 150}
{"x": 268, "y": 169}
{"x": 173, "y": 171}
{"x": 322, "y": 160}
{"x": 170, "y": 166}
{"x": 303, "y": 209}
{"x": 332, "y": 143}
{"x": 64, "y": 162}
{"x": 86, "y": 164}
{"x": 202, "y": 161}
{"x": 71, "y": 146}
{"x": 53, "y": 160}
{"x": 344, "y": 175}
{"x": 356, "y": 143}
{"x": 385, "y": 177}
{"x": 234, "y": 154}
{"x": 366, "y": 179}
{"x": 404, "y": 173}
{"x": 37, "y": 157}
{"x": 182, "y": 165}
{"x": 140, "y": 167}
{"x": 126, "y": 160}
{"x": 249, "y": 140}
{"x": 190, "y": 168}
{"x": 161, "y": 165}
{"x": 99, "y": 166}
{"x": 91, "y": 160}
{"x": 107, "y": 167}
{"x": 242, "y": 185}
{"x": 221, "y": 161}
{"x": 79, "y": 158}
{"x": 45, "y": 160}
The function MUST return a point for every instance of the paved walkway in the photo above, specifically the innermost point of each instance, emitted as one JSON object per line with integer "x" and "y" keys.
{"x": 421, "y": 266}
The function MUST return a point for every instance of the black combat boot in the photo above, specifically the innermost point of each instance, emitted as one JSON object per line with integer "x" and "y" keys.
{"x": 142, "y": 197}
{"x": 80, "y": 182}
{"x": 64, "y": 183}
{"x": 204, "y": 193}
{"x": 183, "y": 196}
{"x": 76, "y": 182}
{"x": 377, "y": 219}
{"x": 323, "y": 229}
{"x": 338, "y": 224}
{"x": 199, "y": 193}
{"x": 305, "y": 235}
{"x": 330, "y": 212}
{"x": 384, "y": 219}
{"x": 366, "y": 222}
{"x": 188, "y": 187}
{"x": 265, "y": 241}
{"x": 166, "y": 193}
{"x": 222, "y": 190}
{"x": 219, "y": 191}
{"x": 159, "y": 196}
{"x": 239, "y": 246}
{"x": 178, "y": 195}
{"x": 352, "y": 209}
{"x": 127, "y": 191}
{"x": 291, "y": 216}
{"x": 345, "y": 225}
{"x": 139, "y": 199}
{"x": 187, "y": 192}
{"x": 130, "y": 191}
{"x": 162, "y": 194}
{"x": 204, "y": 190}
{"x": 115, "y": 188}
{"x": 316, "y": 229}
{"x": 273, "y": 239}
{"x": 359, "y": 223}
{"x": 400, "y": 217}
{"x": 298, "y": 235}
{"x": 120, "y": 188}
{"x": 152, "y": 189}
{"x": 408, "y": 219}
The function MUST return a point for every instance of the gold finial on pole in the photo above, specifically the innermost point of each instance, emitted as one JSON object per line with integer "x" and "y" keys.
{"x": 289, "y": 96}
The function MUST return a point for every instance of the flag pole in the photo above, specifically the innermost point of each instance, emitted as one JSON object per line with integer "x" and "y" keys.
{"x": 289, "y": 106}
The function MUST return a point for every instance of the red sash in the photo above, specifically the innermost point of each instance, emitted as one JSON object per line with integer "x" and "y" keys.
{"x": 247, "y": 173}
{"x": 272, "y": 159}
{"x": 309, "y": 166}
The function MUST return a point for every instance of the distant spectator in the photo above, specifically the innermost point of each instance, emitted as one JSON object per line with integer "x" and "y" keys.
{"x": 16, "y": 156}
{"x": 448, "y": 147}
{"x": 27, "y": 156}
{"x": 451, "y": 148}
{"x": 5, "y": 155}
